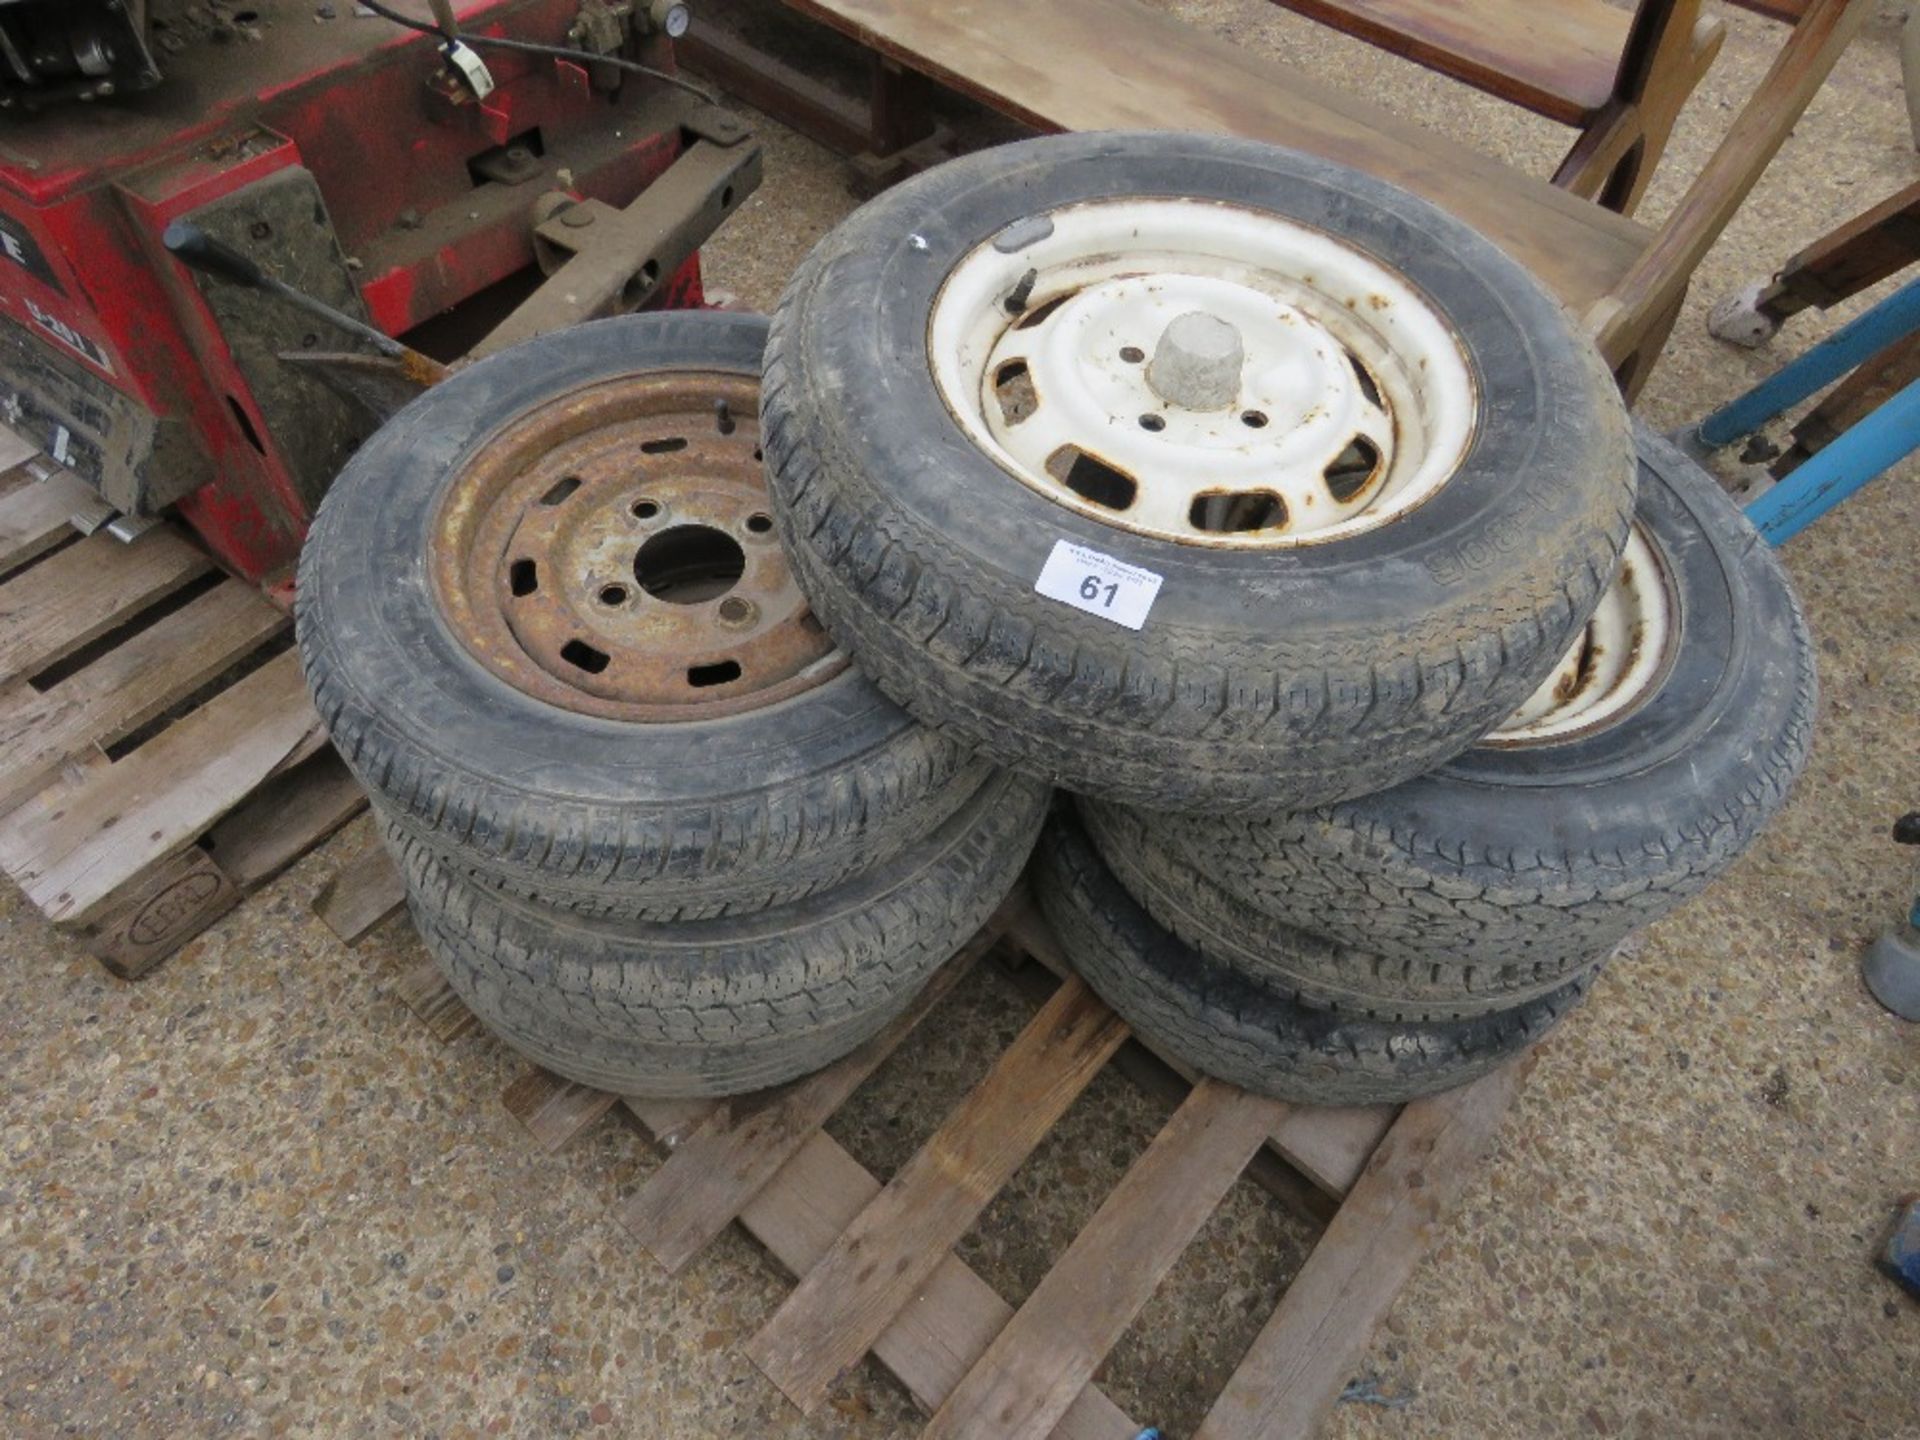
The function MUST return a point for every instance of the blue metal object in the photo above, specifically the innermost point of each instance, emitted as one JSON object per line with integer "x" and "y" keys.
{"x": 1894, "y": 317}
{"x": 1868, "y": 449}
{"x": 1891, "y": 966}
{"x": 1891, "y": 970}
{"x": 1900, "y": 1256}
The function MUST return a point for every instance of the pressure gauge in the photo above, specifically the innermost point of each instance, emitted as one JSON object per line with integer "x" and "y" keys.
{"x": 669, "y": 17}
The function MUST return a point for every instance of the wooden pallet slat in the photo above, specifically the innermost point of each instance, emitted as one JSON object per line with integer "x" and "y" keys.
{"x": 129, "y": 685}
{"x": 875, "y": 1263}
{"x": 153, "y": 917}
{"x": 1328, "y": 1144}
{"x": 1331, "y": 1144}
{"x": 74, "y": 845}
{"x": 715, "y": 1170}
{"x": 119, "y": 849}
{"x": 1038, "y": 1365}
{"x": 34, "y": 518}
{"x": 842, "y": 1305}
{"x": 295, "y": 809}
{"x": 74, "y": 597}
{"x": 424, "y": 990}
{"x": 554, "y": 1109}
{"x": 932, "y": 1343}
{"x": 366, "y": 891}
{"x": 1325, "y": 1321}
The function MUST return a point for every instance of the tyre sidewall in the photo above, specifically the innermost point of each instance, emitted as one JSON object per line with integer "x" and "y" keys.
{"x": 1737, "y": 690}
{"x": 1542, "y": 428}
{"x": 364, "y": 574}
{"x": 1234, "y": 1023}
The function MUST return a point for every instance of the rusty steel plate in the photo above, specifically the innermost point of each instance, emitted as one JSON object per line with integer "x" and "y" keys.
{"x": 612, "y": 553}
{"x": 1618, "y": 662}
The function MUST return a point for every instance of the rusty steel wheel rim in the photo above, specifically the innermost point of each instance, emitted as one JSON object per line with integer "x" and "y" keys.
{"x": 612, "y": 552}
{"x": 1616, "y": 664}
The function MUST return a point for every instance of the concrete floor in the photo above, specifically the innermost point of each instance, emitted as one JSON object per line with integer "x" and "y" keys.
{"x": 251, "y": 1196}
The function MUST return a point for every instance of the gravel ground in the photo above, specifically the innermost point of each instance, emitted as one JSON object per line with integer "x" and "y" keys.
{"x": 251, "y": 1196}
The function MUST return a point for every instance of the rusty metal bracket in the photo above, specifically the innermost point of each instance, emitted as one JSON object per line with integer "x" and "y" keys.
{"x": 612, "y": 261}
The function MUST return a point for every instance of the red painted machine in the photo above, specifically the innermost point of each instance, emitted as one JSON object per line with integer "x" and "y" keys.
{"x": 351, "y": 159}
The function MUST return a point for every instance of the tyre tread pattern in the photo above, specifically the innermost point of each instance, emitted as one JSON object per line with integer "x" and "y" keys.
{"x": 1230, "y": 1023}
{"x": 1309, "y": 969}
{"x": 729, "y": 1005}
{"x": 1388, "y": 877}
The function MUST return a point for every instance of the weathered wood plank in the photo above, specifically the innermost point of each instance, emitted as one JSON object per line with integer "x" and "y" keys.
{"x": 1327, "y": 1144}
{"x": 128, "y": 686}
{"x": 953, "y": 1317}
{"x": 78, "y": 595}
{"x": 554, "y": 1109}
{"x": 289, "y": 814}
{"x": 147, "y": 921}
{"x": 1168, "y": 74}
{"x": 1160, "y": 1082}
{"x": 77, "y": 843}
{"x": 34, "y": 517}
{"x": 672, "y": 1121}
{"x": 1557, "y": 60}
{"x": 365, "y": 892}
{"x": 843, "y": 1304}
{"x": 424, "y": 990}
{"x": 1035, "y": 1368}
{"x": 700, "y": 1189}
{"x": 1325, "y": 1321}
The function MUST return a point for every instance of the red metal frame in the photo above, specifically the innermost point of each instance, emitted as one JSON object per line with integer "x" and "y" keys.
{"x": 86, "y": 190}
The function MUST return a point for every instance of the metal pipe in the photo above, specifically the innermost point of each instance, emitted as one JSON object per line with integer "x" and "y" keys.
{"x": 1867, "y": 449}
{"x": 1894, "y": 317}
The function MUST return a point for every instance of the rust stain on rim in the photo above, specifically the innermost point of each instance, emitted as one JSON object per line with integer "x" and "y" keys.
{"x": 611, "y": 552}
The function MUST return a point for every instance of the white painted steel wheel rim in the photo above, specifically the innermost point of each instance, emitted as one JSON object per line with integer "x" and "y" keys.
{"x": 1615, "y": 665}
{"x": 1352, "y": 401}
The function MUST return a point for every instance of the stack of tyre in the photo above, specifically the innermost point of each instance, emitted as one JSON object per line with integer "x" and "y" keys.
{"x": 659, "y": 835}
{"x": 1283, "y": 522}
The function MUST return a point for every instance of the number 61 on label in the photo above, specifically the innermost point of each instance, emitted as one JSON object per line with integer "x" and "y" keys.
{"x": 1098, "y": 584}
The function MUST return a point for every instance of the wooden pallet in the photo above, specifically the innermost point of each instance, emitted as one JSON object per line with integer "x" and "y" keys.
{"x": 875, "y": 1263}
{"x": 158, "y": 753}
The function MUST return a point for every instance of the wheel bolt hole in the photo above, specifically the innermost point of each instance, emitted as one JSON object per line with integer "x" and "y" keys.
{"x": 1254, "y": 419}
{"x": 1132, "y": 354}
{"x": 613, "y": 594}
{"x": 1013, "y": 391}
{"x": 736, "y": 611}
{"x": 759, "y": 524}
{"x": 583, "y": 656}
{"x": 645, "y": 509}
{"x": 1236, "y": 512}
{"x": 1153, "y": 423}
